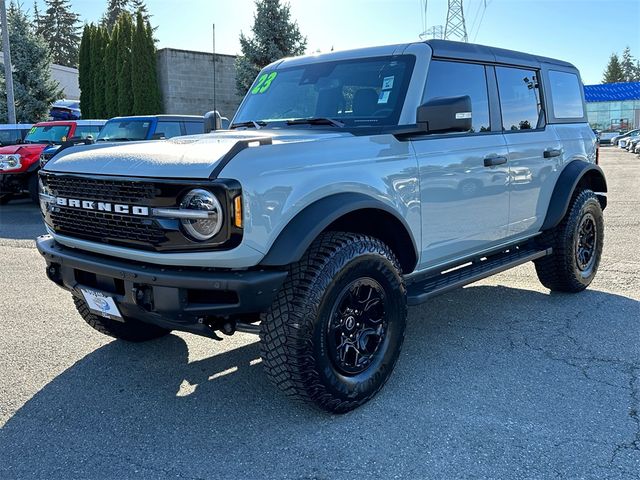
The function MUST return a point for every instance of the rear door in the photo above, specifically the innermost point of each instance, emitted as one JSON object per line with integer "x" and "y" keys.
{"x": 535, "y": 152}
{"x": 168, "y": 129}
{"x": 465, "y": 204}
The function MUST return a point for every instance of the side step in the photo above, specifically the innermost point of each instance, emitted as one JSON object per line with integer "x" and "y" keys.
{"x": 457, "y": 276}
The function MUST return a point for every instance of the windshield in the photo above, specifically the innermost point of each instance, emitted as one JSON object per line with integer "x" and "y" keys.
{"x": 48, "y": 134}
{"x": 356, "y": 92}
{"x": 124, "y": 130}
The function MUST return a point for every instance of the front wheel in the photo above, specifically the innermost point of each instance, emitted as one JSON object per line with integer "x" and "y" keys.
{"x": 577, "y": 246}
{"x": 334, "y": 333}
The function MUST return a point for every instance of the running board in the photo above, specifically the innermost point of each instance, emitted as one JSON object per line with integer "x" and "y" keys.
{"x": 457, "y": 276}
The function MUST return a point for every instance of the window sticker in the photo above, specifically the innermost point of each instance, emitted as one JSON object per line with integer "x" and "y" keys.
{"x": 264, "y": 82}
{"x": 384, "y": 96}
{"x": 387, "y": 83}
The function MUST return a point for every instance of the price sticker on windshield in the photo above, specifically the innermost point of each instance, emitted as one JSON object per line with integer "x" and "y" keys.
{"x": 33, "y": 130}
{"x": 264, "y": 82}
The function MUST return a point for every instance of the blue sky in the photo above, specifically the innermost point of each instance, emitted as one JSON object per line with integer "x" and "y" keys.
{"x": 584, "y": 32}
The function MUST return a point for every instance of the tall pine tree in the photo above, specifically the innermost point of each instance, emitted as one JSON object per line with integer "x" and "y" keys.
{"x": 123, "y": 61}
{"x": 85, "y": 79}
{"x": 60, "y": 27}
{"x": 115, "y": 8}
{"x": 628, "y": 66}
{"x": 98, "y": 42}
{"x": 34, "y": 88}
{"x": 144, "y": 81}
{"x": 613, "y": 72}
{"x": 111, "y": 74}
{"x": 275, "y": 35}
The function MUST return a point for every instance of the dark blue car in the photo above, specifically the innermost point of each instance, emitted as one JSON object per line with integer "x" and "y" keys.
{"x": 65, "y": 110}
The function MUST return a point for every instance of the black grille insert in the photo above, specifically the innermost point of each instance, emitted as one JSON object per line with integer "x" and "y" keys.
{"x": 104, "y": 190}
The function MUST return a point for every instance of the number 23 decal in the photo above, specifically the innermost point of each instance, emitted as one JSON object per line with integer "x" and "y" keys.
{"x": 264, "y": 82}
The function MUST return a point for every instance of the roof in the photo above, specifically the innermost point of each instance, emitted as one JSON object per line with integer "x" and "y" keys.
{"x": 472, "y": 51}
{"x": 161, "y": 117}
{"x": 612, "y": 92}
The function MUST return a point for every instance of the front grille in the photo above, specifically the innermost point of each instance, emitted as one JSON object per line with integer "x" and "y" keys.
{"x": 117, "y": 191}
{"x": 105, "y": 226}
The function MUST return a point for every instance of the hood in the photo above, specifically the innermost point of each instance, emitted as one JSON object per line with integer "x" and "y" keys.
{"x": 181, "y": 157}
{"x": 23, "y": 149}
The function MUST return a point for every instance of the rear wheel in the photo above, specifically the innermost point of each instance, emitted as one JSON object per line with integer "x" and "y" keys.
{"x": 130, "y": 329}
{"x": 334, "y": 333}
{"x": 577, "y": 246}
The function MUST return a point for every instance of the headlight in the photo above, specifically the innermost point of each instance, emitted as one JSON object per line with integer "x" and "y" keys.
{"x": 10, "y": 162}
{"x": 207, "y": 218}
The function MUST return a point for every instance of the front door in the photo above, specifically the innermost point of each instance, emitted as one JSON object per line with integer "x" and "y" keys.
{"x": 464, "y": 177}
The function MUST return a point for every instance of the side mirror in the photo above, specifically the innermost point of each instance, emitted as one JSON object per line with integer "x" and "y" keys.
{"x": 212, "y": 121}
{"x": 445, "y": 114}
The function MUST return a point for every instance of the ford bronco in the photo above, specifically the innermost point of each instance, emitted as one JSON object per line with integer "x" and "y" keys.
{"x": 351, "y": 185}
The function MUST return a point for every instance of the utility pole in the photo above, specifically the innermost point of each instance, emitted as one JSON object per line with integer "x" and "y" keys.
{"x": 437, "y": 31}
{"x": 455, "y": 28}
{"x": 8, "y": 70}
{"x": 215, "y": 109}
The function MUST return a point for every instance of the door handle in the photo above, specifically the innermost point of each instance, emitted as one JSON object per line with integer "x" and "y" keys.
{"x": 494, "y": 160}
{"x": 552, "y": 152}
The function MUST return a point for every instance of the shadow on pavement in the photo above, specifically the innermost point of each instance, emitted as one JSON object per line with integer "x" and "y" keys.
{"x": 489, "y": 377}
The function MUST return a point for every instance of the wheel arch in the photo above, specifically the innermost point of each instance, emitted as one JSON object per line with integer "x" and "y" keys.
{"x": 576, "y": 176}
{"x": 348, "y": 212}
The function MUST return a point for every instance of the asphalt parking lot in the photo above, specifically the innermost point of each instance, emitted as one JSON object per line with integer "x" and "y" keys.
{"x": 497, "y": 380}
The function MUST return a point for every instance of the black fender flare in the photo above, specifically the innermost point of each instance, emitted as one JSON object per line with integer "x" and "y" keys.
{"x": 294, "y": 240}
{"x": 569, "y": 178}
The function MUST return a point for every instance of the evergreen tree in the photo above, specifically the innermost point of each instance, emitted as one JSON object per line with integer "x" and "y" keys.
{"x": 61, "y": 30}
{"x": 144, "y": 82}
{"x": 34, "y": 88}
{"x": 115, "y": 8}
{"x": 140, "y": 6}
{"x": 628, "y": 66}
{"x": 37, "y": 18}
{"x": 111, "y": 75}
{"x": 98, "y": 42}
{"x": 613, "y": 72}
{"x": 275, "y": 35}
{"x": 123, "y": 65}
{"x": 85, "y": 79}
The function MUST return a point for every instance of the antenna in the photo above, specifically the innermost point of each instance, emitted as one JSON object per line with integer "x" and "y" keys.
{"x": 455, "y": 29}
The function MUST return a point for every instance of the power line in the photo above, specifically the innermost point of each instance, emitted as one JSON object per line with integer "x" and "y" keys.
{"x": 480, "y": 23}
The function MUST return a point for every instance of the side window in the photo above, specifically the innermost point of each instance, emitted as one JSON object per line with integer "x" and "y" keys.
{"x": 168, "y": 130}
{"x": 519, "y": 98}
{"x": 565, "y": 95}
{"x": 453, "y": 79}
{"x": 194, "y": 128}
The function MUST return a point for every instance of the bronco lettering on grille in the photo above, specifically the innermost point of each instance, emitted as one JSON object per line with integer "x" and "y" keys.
{"x": 103, "y": 206}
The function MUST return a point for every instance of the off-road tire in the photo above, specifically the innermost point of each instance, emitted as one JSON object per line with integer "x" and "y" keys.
{"x": 560, "y": 271}
{"x": 5, "y": 198}
{"x": 131, "y": 330}
{"x": 32, "y": 186}
{"x": 296, "y": 332}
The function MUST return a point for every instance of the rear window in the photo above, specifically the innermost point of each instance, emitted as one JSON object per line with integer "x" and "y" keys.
{"x": 565, "y": 95}
{"x": 194, "y": 128}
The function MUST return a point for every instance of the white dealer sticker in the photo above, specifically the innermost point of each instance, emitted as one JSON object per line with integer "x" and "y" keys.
{"x": 387, "y": 83}
{"x": 101, "y": 304}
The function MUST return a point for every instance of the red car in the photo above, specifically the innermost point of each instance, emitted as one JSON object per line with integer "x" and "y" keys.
{"x": 19, "y": 164}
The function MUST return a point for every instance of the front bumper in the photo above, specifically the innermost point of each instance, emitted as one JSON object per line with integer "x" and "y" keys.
{"x": 13, "y": 182}
{"x": 186, "y": 299}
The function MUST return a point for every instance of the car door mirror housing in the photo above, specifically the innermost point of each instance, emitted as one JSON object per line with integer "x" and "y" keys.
{"x": 212, "y": 121}
{"x": 445, "y": 114}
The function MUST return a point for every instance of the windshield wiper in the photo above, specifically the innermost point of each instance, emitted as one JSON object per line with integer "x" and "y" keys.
{"x": 257, "y": 125}
{"x": 316, "y": 121}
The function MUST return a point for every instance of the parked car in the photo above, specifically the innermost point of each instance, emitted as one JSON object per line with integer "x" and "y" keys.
{"x": 13, "y": 133}
{"x": 65, "y": 110}
{"x": 312, "y": 222}
{"x": 19, "y": 164}
{"x": 634, "y": 144}
{"x": 606, "y": 137}
{"x": 624, "y": 142}
{"x": 150, "y": 127}
{"x": 616, "y": 139}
